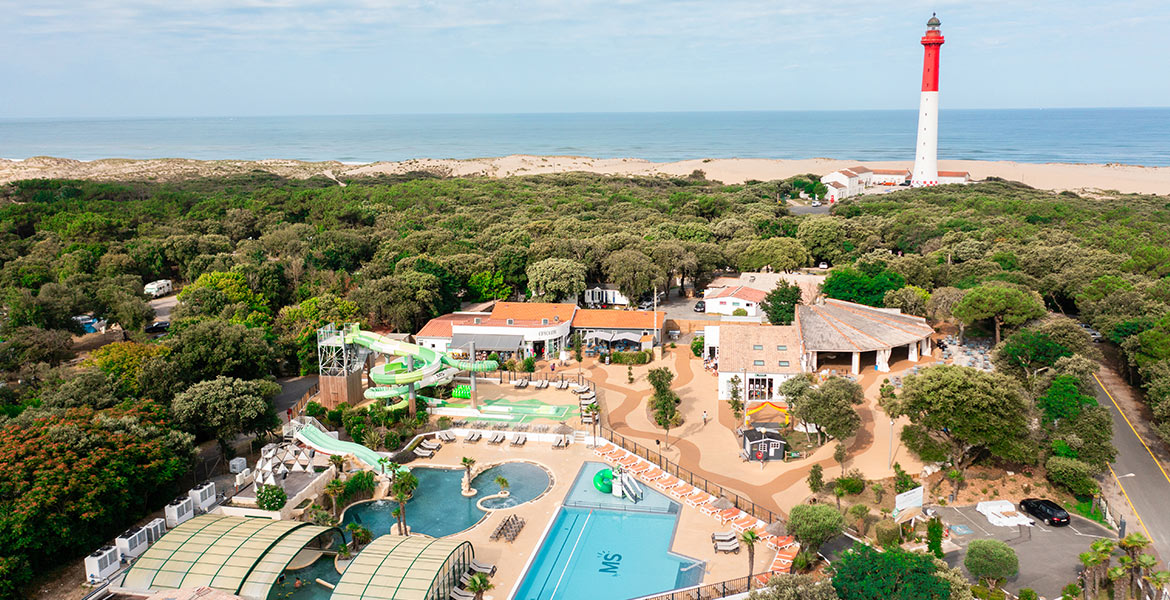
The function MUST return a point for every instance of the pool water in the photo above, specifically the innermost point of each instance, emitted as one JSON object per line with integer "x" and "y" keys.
{"x": 438, "y": 507}
{"x": 310, "y": 590}
{"x": 608, "y": 551}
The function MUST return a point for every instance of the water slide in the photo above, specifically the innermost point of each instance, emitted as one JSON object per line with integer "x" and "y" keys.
{"x": 323, "y": 442}
{"x": 393, "y": 378}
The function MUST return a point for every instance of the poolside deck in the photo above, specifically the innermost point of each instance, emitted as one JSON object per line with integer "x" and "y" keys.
{"x": 692, "y": 536}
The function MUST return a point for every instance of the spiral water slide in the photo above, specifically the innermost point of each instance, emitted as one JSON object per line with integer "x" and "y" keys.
{"x": 393, "y": 378}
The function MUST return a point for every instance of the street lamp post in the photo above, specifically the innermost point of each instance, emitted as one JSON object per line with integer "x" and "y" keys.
{"x": 890, "y": 458}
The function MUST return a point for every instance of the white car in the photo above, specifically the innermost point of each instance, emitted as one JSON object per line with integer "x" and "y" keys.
{"x": 815, "y": 203}
{"x": 823, "y": 265}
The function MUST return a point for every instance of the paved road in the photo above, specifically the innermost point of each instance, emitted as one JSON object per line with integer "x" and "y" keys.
{"x": 1143, "y": 480}
{"x": 163, "y": 306}
{"x": 1048, "y": 555}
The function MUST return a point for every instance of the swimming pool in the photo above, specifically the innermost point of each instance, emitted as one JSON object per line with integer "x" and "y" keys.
{"x": 602, "y": 548}
{"x": 310, "y": 590}
{"x": 439, "y": 509}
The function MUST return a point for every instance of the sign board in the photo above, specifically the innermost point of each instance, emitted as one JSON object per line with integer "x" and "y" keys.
{"x": 909, "y": 499}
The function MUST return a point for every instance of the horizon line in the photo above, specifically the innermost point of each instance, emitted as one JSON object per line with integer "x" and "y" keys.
{"x": 10, "y": 119}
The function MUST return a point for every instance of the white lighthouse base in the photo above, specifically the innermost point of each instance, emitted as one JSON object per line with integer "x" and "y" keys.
{"x": 926, "y": 151}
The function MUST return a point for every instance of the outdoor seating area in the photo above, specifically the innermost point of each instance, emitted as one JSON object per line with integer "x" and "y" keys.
{"x": 974, "y": 353}
{"x": 509, "y": 528}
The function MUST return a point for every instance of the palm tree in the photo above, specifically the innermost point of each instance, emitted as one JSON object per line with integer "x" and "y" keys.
{"x": 479, "y": 584}
{"x": 1146, "y": 563}
{"x": 749, "y": 539}
{"x": 404, "y": 486}
{"x": 360, "y": 535}
{"x": 1103, "y": 550}
{"x": 335, "y": 489}
{"x": 1133, "y": 545}
{"x": 1116, "y": 575}
{"x": 594, "y": 413}
{"x": 468, "y": 462}
{"x": 503, "y": 483}
{"x": 1159, "y": 579}
{"x": 338, "y": 461}
{"x": 1091, "y": 561}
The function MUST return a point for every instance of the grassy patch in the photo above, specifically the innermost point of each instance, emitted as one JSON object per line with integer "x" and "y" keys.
{"x": 1086, "y": 509}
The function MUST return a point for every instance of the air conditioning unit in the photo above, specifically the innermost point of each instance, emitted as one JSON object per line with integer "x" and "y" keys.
{"x": 203, "y": 496}
{"x": 132, "y": 543}
{"x": 237, "y": 464}
{"x": 155, "y": 530}
{"x": 102, "y": 564}
{"x": 180, "y": 509}
{"x": 243, "y": 478}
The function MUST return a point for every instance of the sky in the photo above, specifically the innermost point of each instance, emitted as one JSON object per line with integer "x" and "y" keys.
{"x": 175, "y": 58}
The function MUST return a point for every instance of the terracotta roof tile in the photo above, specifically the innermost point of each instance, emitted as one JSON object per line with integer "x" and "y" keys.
{"x": 741, "y": 292}
{"x": 440, "y": 327}
{"x": 617, "y": 319}
{"x": 532, "y": 313}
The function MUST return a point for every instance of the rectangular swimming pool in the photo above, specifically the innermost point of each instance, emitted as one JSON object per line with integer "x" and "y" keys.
{"x": 595, "y": 553}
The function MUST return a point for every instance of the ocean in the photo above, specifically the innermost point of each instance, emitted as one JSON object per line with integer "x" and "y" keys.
{"x": 1128, "y": 136}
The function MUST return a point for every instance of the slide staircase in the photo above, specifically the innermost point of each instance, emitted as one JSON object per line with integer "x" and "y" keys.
{"x": 631, "y": 487}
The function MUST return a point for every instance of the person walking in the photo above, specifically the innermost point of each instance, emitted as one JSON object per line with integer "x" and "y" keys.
{"x": 704, "y": 418}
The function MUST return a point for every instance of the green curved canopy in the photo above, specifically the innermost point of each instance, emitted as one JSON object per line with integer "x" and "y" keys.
{"x": 405, "y": 568}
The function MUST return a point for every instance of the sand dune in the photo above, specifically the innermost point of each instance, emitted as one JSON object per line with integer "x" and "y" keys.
{"x": 1053, "y": 176}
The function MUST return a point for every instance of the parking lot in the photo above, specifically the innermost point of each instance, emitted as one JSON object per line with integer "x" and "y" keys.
{"x": 1048, "y": 555}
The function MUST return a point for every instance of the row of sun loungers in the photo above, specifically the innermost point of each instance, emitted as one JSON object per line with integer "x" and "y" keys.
{"x": 497, "y": 438}
{"x": 519, "y": 440}
{"x": 509, "y": 528}
{"x": 473, "y": 437}
{"x": 476, "y": 567}
{"x": 445, "y": 436}
{"x": 738, "y": 520}
{"x": 562, "y": 441}
{"x": 427, "y": 448}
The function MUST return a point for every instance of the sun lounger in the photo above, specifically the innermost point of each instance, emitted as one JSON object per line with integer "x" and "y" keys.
{"x": 579, "y": 389}
{"x": 729, "y": 547}
{"x": 604, "y": 448}
{"x": 639, "y": 468}
{"x": 561, "y": 442}
{"x": 724, "y": 536}
{"x": 667, "y": 482}
{"x": 561, "y": 385}
{"x": 485, "y": 568}
{"x": 699, "y": 499}
{"x": 429, "y": 445}
{"x": 745, "y": 523}
{"x": 681, "y": 490}
{"x": 446, "y": 436}
{"x": 652, "y": 475}
{"x": 519, "y": 440}
{"x": 588, "y": 397}
{"x": 421, "y": 453}
{"x": 729, "y": 515}
{"x": 540, "y": 385}
{"x": 458, "y": 594}
{"x": 473, "y": 437}
{"x": 708, "y": 509}
{"x": 779, "y": 543}
{"x": 497, "y": 438}
{"x": 628, "y": 460}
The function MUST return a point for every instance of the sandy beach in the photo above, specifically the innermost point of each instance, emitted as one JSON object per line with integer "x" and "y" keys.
{"x": 1052, "y": 176}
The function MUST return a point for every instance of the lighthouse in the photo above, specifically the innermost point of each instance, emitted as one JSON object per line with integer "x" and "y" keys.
{"x": 926, "y": 151}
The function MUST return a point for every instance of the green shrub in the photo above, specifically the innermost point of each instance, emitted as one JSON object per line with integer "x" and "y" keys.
{"x": 1074, "y": 475}
{"x": 697, "y": 346}
{"x": 640, "y": 357}
{"x": 314, "y": 410}
{"x": 816, "y": 479}
{"x": 887, "y": 533}
{"x": 529, "y": 365}
{"x": 992, "y": 561}
{"x": 739, "y": 312}
{"x": 334, "y": 416}
{"x": 1028, "y": 594}
{"x": 271, "y": 497}
{"x": 934, "y": 536}
{"x": 903, "y": 482}
{"x": 803, "y": 561}
{"x": 853, "y": 483}
{"x": 393, "y": 440}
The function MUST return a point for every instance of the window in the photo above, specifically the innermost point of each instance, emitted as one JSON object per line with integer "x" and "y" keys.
{"x": 782, "y": 348}
{"x": 510, "y": 321}
{"x": 758, "y": 363}
{"x": 477, "y": 320}
{"x": 783, "y": 363}
{"x": 757, "y": 347}
{"x": 735, "y": 303}
{"x": 544, "y": 321}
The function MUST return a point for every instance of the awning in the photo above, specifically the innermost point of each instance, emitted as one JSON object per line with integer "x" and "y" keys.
{"x": 613, "y": 336}
{"x": 487, "y": 342}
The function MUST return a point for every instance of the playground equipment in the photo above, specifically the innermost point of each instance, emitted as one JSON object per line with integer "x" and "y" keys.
{"x": 324, "y": 443}
{"x": 343, "y": 353}
{"x": 778, "y": 407}
{"x": 462, "y": 392}
{"x": 621, "y": 485}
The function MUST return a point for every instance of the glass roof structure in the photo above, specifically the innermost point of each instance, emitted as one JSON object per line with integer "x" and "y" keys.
{"x": 239, "y": 555}
{"x": 404, "y": 568}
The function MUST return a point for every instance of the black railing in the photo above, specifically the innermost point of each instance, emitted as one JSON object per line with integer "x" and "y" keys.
{"x": 760, "y": 512}
{"x": 721, "y": 589}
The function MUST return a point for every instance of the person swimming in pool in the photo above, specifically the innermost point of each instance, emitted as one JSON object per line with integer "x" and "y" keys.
{"x": 298, "y": 583}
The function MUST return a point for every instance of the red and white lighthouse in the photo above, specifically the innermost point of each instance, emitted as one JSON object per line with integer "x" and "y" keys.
{"x": 926, "y": 151}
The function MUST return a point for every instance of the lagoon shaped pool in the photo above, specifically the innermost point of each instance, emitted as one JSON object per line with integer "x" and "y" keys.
{"x": 439, "y": 509}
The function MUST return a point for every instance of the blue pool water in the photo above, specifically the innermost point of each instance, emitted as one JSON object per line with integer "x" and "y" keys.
{"x": 439, "y": 509}
{"x": 593, "y": 553}
{"x": 309, "y": 590}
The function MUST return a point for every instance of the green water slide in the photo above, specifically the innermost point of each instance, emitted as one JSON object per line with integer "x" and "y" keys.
{"x": 430, "y": 367}
{"x": 323, "y": 442}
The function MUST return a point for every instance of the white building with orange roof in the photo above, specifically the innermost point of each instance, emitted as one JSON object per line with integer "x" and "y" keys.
{"x": 512, "y": 329}
{"x": 945, "y": 177}
{"x": 639, "y": 327}
{"x": 890, "y": 176}
{"x": 727, "y": 300}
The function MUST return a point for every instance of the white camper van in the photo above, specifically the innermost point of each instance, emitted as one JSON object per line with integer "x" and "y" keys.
{"x": 156, "y": 289}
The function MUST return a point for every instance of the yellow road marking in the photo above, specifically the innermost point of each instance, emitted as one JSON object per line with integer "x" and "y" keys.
{"x": 1131, "y": 428}
{"x": 1131, "y": 506}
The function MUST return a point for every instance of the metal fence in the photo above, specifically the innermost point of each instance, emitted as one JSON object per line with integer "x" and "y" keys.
{"x": 721, "y": 589}
{"x": 760, "y": 512}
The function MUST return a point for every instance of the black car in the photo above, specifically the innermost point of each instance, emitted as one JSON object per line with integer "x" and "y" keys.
{"x": 700, "y": 306}
{"x": 1045, "y": 510}
{"x": 158, "y": 327}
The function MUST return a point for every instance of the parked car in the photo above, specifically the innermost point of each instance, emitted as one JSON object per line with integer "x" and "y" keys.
{"x": 701, "y": 306}
{"x": 1045, "y": 510}
{"x": 823, "y": 265}
{"x": 815, "y": 203}
{"x": 158, "y": 327}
